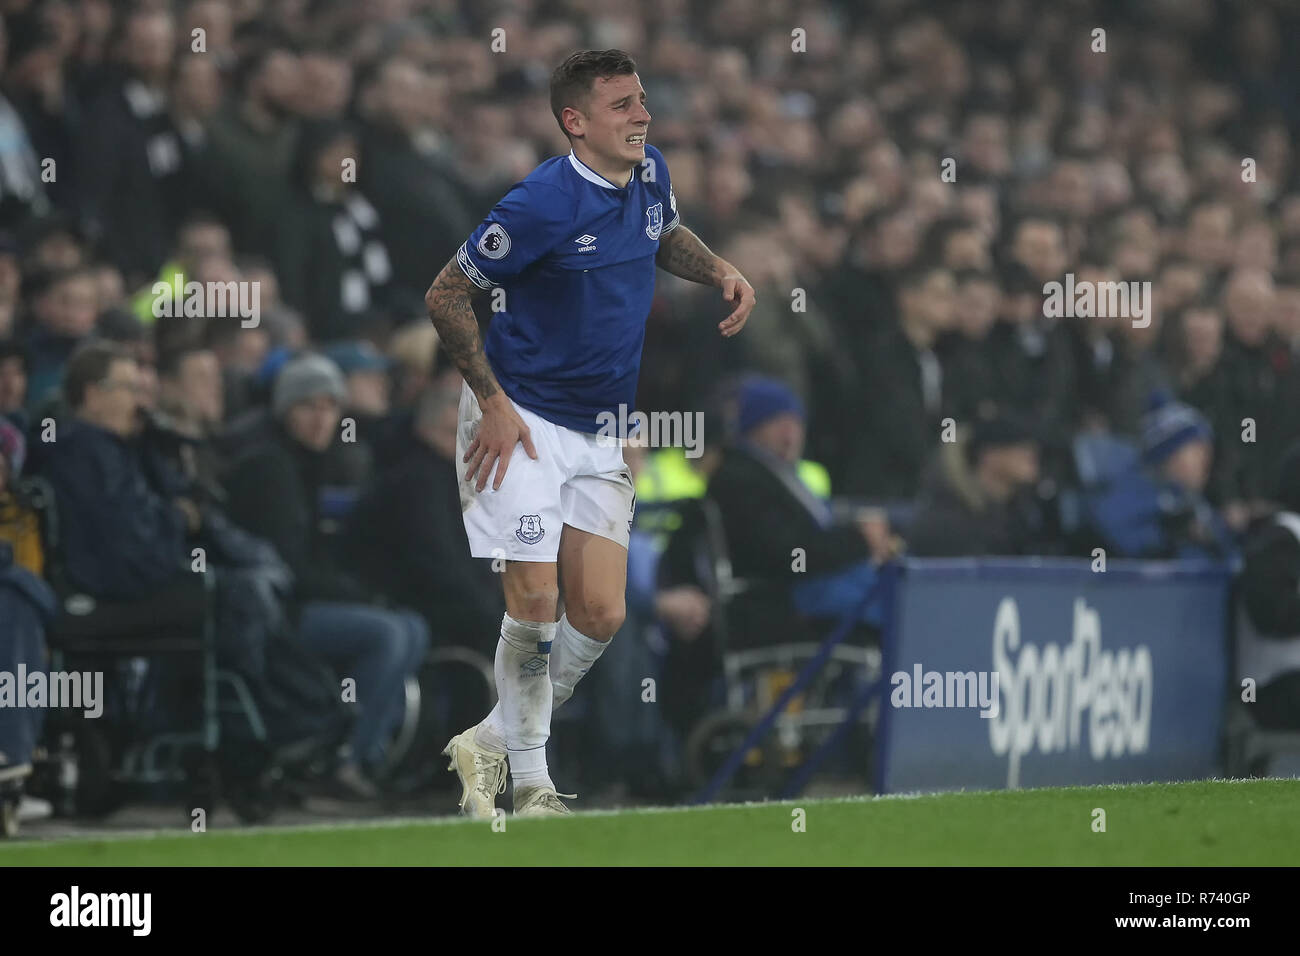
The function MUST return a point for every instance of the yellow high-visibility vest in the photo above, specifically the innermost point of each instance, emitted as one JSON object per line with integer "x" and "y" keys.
{"x": 668, "y": 476}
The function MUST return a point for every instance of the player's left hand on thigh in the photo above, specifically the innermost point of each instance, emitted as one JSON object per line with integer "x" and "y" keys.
{"x": 736, "y": 289}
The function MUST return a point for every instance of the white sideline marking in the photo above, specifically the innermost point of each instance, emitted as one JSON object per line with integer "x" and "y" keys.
{"x": 180, "y": 833}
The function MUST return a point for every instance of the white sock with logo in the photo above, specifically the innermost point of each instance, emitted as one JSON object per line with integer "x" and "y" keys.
{"x": 571, "y": 658}
{"x": 572, "y": 655}
{"x": 524, "y": 693}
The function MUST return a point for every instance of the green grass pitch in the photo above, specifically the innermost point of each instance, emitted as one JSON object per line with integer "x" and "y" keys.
{"x": 1208, "y": 823}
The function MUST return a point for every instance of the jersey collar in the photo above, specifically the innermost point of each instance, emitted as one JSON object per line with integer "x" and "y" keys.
{"x": 589, "y": 174}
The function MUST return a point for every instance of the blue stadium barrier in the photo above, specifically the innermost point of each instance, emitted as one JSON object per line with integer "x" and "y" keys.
{"x": 1102, "y": 677}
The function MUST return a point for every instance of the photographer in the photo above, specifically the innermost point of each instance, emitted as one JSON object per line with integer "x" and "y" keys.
{"x": 1268, "y": 614}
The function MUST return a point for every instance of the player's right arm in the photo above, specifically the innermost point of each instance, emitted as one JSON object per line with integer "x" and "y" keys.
{"x": 450, "y": 301}
{"x": 523, "y": 227}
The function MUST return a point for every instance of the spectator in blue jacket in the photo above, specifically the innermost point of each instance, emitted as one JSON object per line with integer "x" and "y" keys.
{"x": 1153, "y": 505}
{"x": 122, "y": 538}
{"x": 1178, "y": 452}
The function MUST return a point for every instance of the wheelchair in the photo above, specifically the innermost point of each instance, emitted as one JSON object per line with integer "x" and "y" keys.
{"x": 120, "y": 638}
{"x": 753, "y": 678}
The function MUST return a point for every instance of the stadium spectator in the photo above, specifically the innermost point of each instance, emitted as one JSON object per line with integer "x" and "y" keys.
{"x": 367, "y": 401}
{"x": 894, "y": 438}
{"x": 1255, "y": 360}
{"x": 1154, "y": 505}
{"x": 22, "y": 193}
{"x": 51, "y": 244}
{"x": 10, "y": 285}
{"x": 1268, "y": 616}
{"x": 27, "y": 604}
{"x": 1031, "y": 360}
{"x": 324, "y": 84}
{"x": 190, "y": 406}
{"x": 1200, "y": 378}
{"x": 244, "y": 355}
{"x": 195, "y": 98}
{"x": 978, "y": 496}
{"x": 121, "y": 327}
{"x": 330, "y": 256}
{"x": 769, "y": 513}
{"x": 13, "y": 383}
{"x": 1101, "y": 370}
{"x": 251, "y": 147}
{"x": 200, "y": 237}
{"x": 280, "y": 490}
{"x": 794, "y": 352}
{"x": 19, "y": 524}
{"x": 406, "y": 538}
{"x": 133, "y": 187}
{"x": 969, "y": 387}
{"x": 124, "y": 539}
{"x": 416, "y": 192}
{"x": 1177, "y": 445}
{"x": 63, "y": 313}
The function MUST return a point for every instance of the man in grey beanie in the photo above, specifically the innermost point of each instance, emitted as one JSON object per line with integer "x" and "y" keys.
{"x": 303, "y": 379}
{"x": 286, "y": 490}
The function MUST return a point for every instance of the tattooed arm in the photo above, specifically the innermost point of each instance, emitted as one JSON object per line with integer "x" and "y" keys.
{"x": 683, "y": 254}
{"x": 451, "y": 309}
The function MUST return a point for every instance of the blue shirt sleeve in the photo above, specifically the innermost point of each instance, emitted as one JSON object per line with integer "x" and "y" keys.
{"x": 522, "y": 228}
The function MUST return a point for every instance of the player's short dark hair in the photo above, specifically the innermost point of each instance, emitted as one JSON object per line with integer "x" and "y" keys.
{"x": 89, "y": 365}
{"x": 573, "y": 79}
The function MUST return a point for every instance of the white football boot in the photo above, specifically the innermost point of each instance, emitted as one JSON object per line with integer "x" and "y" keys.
{"x": 482, "y": 774}
{"x": 540, "y": 802}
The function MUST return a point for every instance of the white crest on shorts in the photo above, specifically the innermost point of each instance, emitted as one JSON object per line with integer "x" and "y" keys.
{"x": 495, "y": 242}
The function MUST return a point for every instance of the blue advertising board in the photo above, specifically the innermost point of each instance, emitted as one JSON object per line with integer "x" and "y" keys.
{"x": 1043, "y": 672}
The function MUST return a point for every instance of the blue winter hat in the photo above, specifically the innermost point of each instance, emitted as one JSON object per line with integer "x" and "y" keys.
{"x": 1168, "y": 426}
{"x": 761, "y": 400}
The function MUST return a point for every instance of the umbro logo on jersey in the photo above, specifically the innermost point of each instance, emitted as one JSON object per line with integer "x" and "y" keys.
{"x": 586, "y": 243}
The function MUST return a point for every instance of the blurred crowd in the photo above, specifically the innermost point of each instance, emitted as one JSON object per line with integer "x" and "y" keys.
{"x": 898, "y": 179}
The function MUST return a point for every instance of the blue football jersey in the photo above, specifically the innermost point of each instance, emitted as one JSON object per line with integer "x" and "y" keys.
{"x": 575, "y": 256}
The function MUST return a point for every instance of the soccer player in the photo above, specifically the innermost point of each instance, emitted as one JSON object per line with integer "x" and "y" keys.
{"x": 568, "y": 257}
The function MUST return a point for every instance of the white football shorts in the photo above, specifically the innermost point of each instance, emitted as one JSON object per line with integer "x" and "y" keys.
{"x": 578, "y": 479}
